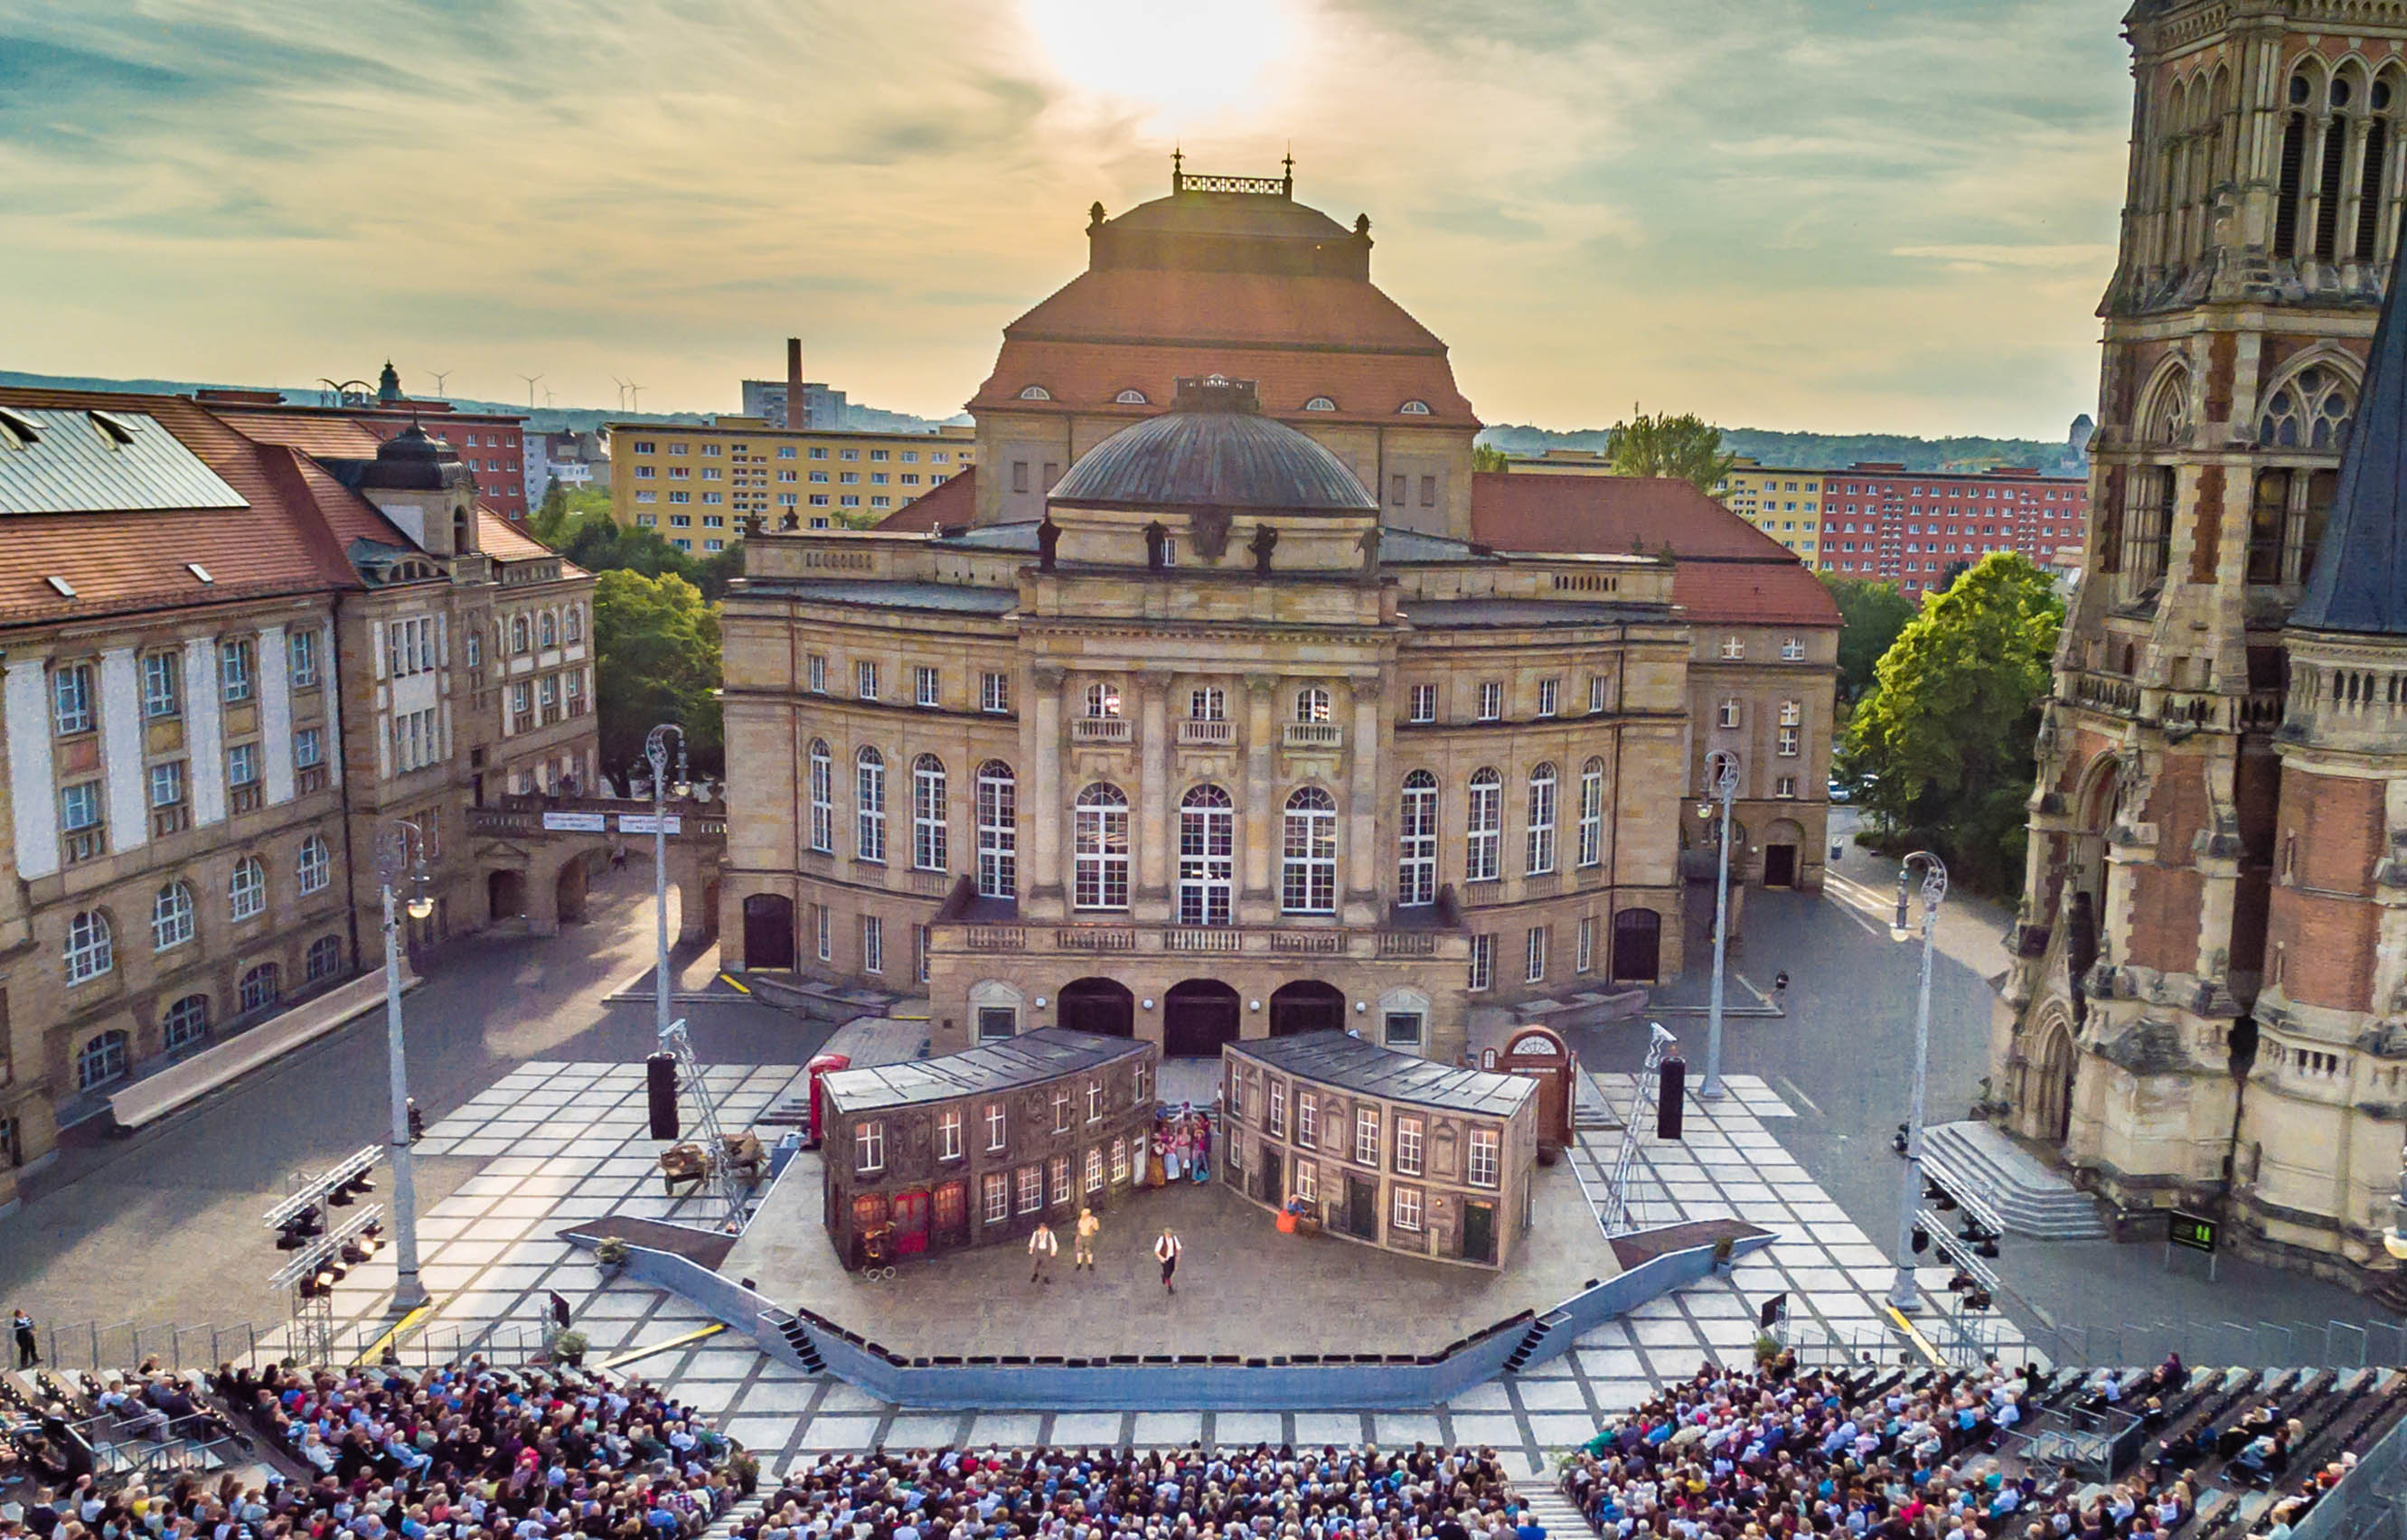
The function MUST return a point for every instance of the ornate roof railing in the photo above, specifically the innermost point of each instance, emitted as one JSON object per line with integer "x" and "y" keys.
{"x": 1182, "y": 180}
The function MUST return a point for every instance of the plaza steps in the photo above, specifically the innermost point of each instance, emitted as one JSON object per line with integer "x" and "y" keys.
{"x": 1540, "y": 1330}
{"x": 2027, "y": 1198}
{"x": 1553, "y": 1510}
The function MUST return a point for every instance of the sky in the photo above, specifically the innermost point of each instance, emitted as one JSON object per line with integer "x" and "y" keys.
{"x": 1826, "y": 215}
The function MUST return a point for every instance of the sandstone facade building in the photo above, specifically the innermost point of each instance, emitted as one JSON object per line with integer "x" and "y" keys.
{"x": 1248, "y": 708}
{"x": 2205, "y": 1010}
{"x": 228, "y": 662}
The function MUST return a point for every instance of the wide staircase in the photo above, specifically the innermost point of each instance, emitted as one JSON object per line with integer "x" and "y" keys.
{"x": 2027, "y": 1198}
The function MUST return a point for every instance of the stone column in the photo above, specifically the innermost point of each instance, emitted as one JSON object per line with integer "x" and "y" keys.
{"x": 1361, "y": 903}
{"x": 1041, "y": 749}
{"x": 33, "y": 788}
{"x": 120, "y": 732}
{"x": 1152, "y": 896}
{"x": 1257, "y": 822}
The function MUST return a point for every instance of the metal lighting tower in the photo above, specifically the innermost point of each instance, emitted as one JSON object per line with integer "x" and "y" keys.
{"x": 1934, "y": 892}
{"x": 1616, "y": 1215}
{"x": 1721, "y": 766}
{"x": 392, "y": 851}
{"x": 656, "y": 749}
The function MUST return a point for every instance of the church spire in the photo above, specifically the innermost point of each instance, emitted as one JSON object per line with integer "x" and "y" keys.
{"x": 2359, "y": 585}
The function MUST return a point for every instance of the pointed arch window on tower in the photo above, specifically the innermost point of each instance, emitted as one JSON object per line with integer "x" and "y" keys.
{"x": 2310, "y": 410}
{"x": 2329, "y": 176}
{"x": 2370, "y": 176}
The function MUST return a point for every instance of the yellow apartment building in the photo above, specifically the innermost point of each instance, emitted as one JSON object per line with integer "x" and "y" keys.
{"x": 696, "y": 484}
{"x": 1785, "y": 504}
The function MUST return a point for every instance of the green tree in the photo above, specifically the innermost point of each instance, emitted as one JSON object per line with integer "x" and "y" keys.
{"x": 1685, "y": 447}
{"x": 1870, "y": 615}
{"x": 1488, "y": 457}
{"x": 1944, "y": 739}
{"x": 656, "y": 640}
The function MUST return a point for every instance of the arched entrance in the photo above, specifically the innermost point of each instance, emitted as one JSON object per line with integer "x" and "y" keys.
{"x": 568, "y": 890}
{"x": 1637, "y": 945}
{"x": 768, "y": 931}
{"x": 505, "y": 895}
{"x": 1308, "y": 1006}
{"x": 2051, "y": 1083}
{"x": 1197, "y": 1017}
{"x": 1102, "y": 1007}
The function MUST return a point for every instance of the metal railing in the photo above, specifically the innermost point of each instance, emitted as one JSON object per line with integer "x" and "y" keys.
{"x": 2249, "y": 1345}
{"x": 119, "y": 1346}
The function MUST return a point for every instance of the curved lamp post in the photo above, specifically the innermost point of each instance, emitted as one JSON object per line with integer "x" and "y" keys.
{"x": 1934, "y": 892}
{"x": 394, "y": 858}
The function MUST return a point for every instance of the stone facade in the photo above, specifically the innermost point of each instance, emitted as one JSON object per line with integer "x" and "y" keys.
{"x": 2188, "y": 811}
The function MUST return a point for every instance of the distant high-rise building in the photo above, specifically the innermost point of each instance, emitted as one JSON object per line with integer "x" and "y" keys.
{"x": 770, "y": 400}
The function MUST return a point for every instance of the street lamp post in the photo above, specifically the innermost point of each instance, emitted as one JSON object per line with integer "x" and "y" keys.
{"x": 1722, "y": 766}
{"x": 393, "y": 857}
{"x": 1934, "y": 892}
{"x": 656, "y": 749}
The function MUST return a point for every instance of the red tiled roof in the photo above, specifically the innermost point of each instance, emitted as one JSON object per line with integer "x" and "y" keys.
{"x": 326, "y": 437}
{"x": 123, "y": 562}
{"x": 953, "y": 502}
{"x": 1727, "y": 569}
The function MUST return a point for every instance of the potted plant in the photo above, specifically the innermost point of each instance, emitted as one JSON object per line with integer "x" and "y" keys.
{"x": 1724, "y": 1249}
{"x": 568, "y": 1347}
{"x": 1765, "y": 1350}
{"x": 611, "y": 1256}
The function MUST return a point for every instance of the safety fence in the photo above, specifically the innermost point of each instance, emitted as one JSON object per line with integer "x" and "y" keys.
{"x": 2253, "y": 1345}
{"x": 121, "y": 1346}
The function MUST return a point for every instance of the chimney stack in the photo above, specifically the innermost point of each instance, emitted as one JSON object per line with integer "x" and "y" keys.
{"x": 798, "y": 410}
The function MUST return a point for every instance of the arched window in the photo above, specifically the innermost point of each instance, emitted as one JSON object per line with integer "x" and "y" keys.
{"x": 262, "y": 988}
{"x": 1483, "y": 831}
{"x": 546, "y": 630}
{"x": 1320, "y": 404}
{"x": 1312, "y": 704}
{"x": 572, "y": 625}
{"x": 928, "y": 814}
{"x": 1131, "y": 398}
{"x": 2309, "y": 410}
{"x": 325, "y": 959}
{"x": 1103, "y": 698}
{"x": 518, "y": 634}
{"x": 869, "y": 795}
{"x": 1102, "y": 849}
{"x": 2290, "y": 174}
{"x": 185, "y": 1023}
{"x": 822, "y": 797}
{"x": 998, "y": 830}
{"x": 1207, "y": 846}
{"x": 101, "y": 1061}
{"x": 171, "y": 917}
{"x": 1543, "y": 789}
{"x": 1591, "y": 813}
{"x": 1034, "y": 393}
{"x": 1416, "y": 841}
{"x": 1413, "y": 408}
{"x": 247, "y": 891}
{"x": 317, "y": 865}
{"x": 2167, "y": 419}
{"x": 89, "y": 952}
{"x": 1308, "y": 877}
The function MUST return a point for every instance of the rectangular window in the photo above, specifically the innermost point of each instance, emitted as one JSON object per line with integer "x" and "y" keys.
{"x": 1396, "y": 490}
{"x": 1403, "y": 1029}
{"x": 948, "y": 1135}
{"x": 827, "y": 933}
{"x": 997, "y": 1022}
{"x": 1095, "y": 1169}
{"x": 1429, "y": 492}
{"x": 1537, "y": 955}
{"x": 309, "y": 748}
{"x": 996, "y": 1127}
{"x": 1486, "y": 1145}
{"x": 1587, "y": 948}
{"x": 1119, "y": 1161}
{"x": 994, "y": 693}
{"x": 1095, "y": 1101}
{"x": 1277, "y": 1118}
{"x": 1307, "y": 1181}
{"x": 873, "y": 944}
{"x": 1483, "y": 962}
{"x": 1730, "y": 712}
{"x": 1307, "y": 1118}
{"x": 1789, "y": 740}
{"x": 1783, "y": 785}
{"x": 869, "y": 1146}
{"x": 167, "y": 784}
{"x": 79, "y": 806}
{"x": 1408, "y": 1147}
{"x": 1549, "y": 696}
{"x": 304, "y": 644}
{"x": 919, "y": 952}
{"x": 1032, "y": 1189}
{"x": 1491, "y": 701}
{"x": 1595, "y": 693}
{"x": 71, "y": 710}
{"x": 819, "y": 673}
{"x": 864, "y": 679}
{"x": 1367, "y": 1135}
{"x": 1061, "y": 1109}
{"x": 1408, "y": 1209}
{"x": 242, "y": 764}
{"x": 162, "y": 693}
{"x": 995, "y": 1197}
{"x": 1059, "y": 1169}
{"x": 1424, "y": 707}
{"x": 236, "y": 658}
{"x": 923, "y": 686}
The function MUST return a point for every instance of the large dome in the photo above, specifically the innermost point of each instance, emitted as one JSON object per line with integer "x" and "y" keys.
{"x": 1214, "y": 448}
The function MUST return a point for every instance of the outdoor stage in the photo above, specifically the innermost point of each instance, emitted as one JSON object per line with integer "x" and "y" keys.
{"x": 1243, "y": 1287}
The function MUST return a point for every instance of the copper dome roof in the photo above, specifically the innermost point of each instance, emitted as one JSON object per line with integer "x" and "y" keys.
{"x": 1214, "y": 448}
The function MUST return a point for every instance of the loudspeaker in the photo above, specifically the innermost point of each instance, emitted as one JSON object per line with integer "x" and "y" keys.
{"x": 1775, "y": 1309}
{"x": 1670, "y": 1101}
{"x": 660, "y": 1079}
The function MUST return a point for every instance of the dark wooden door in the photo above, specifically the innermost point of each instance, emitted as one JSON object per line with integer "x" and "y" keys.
{"x": 1637, "y": 945}
{"x": 1271, "y": 1173}
{"x": 1361, "y": 1208}
{"x": 768, "y": 931}
{"x": 1479, "y": 1232}
{"x": 1197, "y": 1019}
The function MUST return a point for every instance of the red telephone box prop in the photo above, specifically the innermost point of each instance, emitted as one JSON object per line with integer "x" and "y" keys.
{"x": 1538, "y": 1055}
{"x": 819, "y": 1069}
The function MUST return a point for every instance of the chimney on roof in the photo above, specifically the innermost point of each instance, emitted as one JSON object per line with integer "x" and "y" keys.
{"x": 798, "y": 401}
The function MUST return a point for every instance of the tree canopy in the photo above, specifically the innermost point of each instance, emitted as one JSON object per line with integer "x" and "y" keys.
{"x": 1944, "y": 740}
{"x": 656, "y": 640}
{"x": 1488, "y": 457}
{"x": 1685, "y": 447}
{"x": 1870, "y": 615}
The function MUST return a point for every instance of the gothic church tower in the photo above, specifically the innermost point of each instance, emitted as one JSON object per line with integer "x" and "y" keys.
{"x": 2261, "y": 223}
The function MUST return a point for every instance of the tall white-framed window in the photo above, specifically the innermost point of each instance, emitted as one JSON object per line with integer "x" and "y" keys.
{"x": 994, "y": 694}
{"x": 316, "y": 866}
{"x": 71, "y": 699}
{"x": 1586, "y": 960}
{"x": 1367, "y": 1135}
{"x": 1100, "y": 847}
{"x": 948, "y": 1134}
{"x": 1545, "y": 787}
{"x": 1483, "y": 962}
{"x": 1491, "y": 701}
{"x": 1275, "y": 1120}
{"x": 1416, "y": 841}
{"x": 1094, "y": 1168}
{"x": 1595, "y": 694}
{"x": 873, "y": 944}
{"x": 1730, "y": 712}
{"x": 1408, "y": 1208}
{"x": 89, "y": 951}
{"x": 1308, "y": 873}
{"x": 869, "y": 1144}
{"x": 1095, "y": 1101}
{"x": 928, "y": 814}
{"x": 1591, "y": 813}
{"x": 162, "y": 694}
{"x": 237, "y": 659}
{"x": 1408, "y": 1147}
{"x": 1550, "y": 697}
{"x": 864, "y": 679}
{"x": 822, "y": 797}
{"x": 247, "y": 890}
{"x": 1487, "y": 1152}
{"x": 995, "y": 1197}
{"x": 1312, "y": 704}
{"x": 818, "y": 673}
{"x": 1031, "y": 1187}
{"x": 1535, "y": 957}
{"x": 869, "y": 799}
{"x": 1423, "y": 707}
{"x": 1207, "y": 845}
{"x": 1483, "y": 830}
{"x": 998, "y": 830}
{"x": 1207, "y": 703}
{"x": 1307, "y": 1119}
{"x": 171, "y": 917}
{"x": 1792, "y": 721}
{"x": 826, "y": 931}
{"x": 998, "y": 1127}
{"x": 925, "y": 686}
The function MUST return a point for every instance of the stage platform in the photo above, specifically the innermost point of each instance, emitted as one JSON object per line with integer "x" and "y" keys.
{"x": 1243, "y": 1287}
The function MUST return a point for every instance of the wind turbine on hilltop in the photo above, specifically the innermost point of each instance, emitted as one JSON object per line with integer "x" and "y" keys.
{"x": 530, "y": 384}
{"x": 440, "y": 376}
{"x": 622, "y": 391}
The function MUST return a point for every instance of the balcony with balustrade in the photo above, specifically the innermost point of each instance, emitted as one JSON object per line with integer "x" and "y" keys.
{"x": 1100, "y": 730}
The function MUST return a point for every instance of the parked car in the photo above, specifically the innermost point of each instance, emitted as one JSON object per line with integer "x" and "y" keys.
{"x": 1839, "y": 791}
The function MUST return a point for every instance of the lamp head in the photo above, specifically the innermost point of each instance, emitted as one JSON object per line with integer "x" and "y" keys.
{"x": 422, "y": 903}
{"x": 1897, "y": 928}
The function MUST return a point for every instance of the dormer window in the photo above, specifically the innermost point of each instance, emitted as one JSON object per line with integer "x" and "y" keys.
{"x": 1413, "y": 408}
{"x": 1132, "y": 399}
{"x": 1322, "y": 404}
{"x": 1034, "y": 393}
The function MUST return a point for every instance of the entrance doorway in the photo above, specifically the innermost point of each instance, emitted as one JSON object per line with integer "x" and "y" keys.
{"x": 768, "y": 931}
{"x": 952, "y": 1222}
{"x": 910, "y": 1223}
{"x": 1479, "y": 1232}
{"x": 1780, "y": 865}
{"x": 1637, "y": 945}
{"x": 1308, "y": 1006}
{"x": 2058, "y": 1063}
{"x": 1102, "y": 1007}
{"x": 505, "y": 895}
{"x": 1361, "y": 1207}
{"x": 568, "y": 891}
{"x": 1197, "y": 1017}
{"x": 1273, "y": 1176}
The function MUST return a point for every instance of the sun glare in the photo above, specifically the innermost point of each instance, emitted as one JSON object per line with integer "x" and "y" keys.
{"x": 1176, "y": 61}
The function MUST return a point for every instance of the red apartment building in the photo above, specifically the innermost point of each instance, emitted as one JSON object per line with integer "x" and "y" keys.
{"x": 1880, "y": 520}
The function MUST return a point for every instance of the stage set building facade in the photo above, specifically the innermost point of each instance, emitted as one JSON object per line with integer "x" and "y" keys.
{"x": 2206, "y": 1006}
{"x": 1222, "y": 699}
